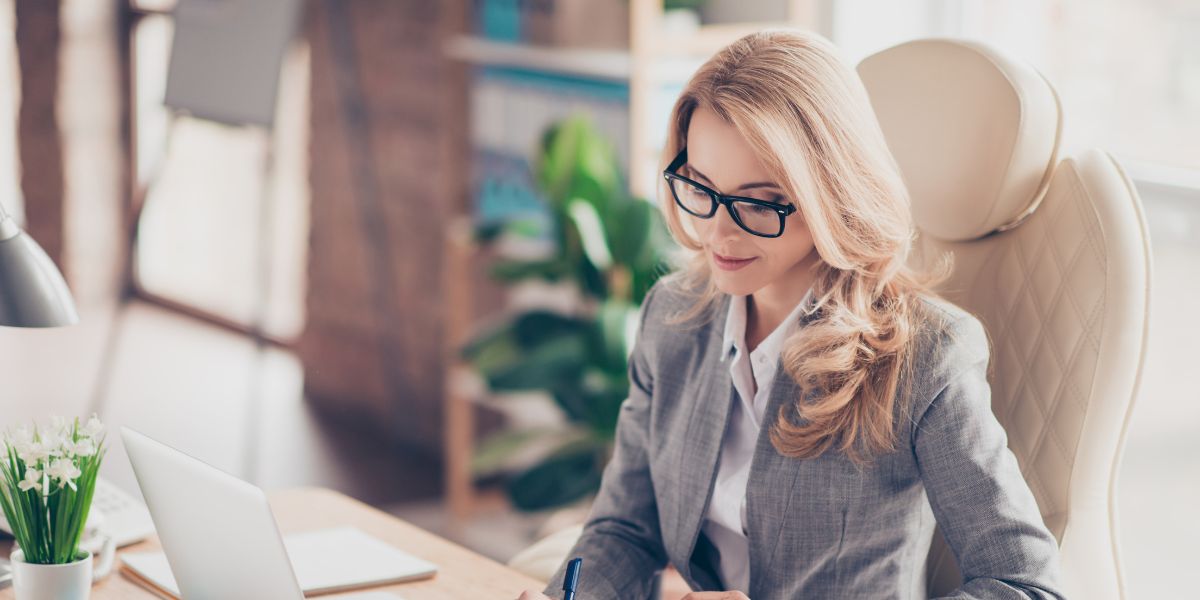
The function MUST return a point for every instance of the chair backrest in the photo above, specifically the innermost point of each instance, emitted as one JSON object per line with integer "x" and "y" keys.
{"x": 1051, "y": 254}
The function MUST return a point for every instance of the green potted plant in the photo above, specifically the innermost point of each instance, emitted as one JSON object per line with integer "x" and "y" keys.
{"x": 611, "y": 247}
{"x": 47, "y": 478}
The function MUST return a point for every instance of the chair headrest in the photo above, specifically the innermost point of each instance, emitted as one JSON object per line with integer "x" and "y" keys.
{"x": 975, "y": 133}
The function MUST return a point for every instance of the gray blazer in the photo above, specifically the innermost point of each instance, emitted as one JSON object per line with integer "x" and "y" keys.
{"x": 817, "y": 528}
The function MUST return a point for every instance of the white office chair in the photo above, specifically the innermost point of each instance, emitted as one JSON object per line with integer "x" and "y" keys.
{"x": 1053, "y": 257}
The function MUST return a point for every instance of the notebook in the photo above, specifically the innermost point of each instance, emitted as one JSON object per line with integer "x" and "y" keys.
{"x": 326, "y": 560}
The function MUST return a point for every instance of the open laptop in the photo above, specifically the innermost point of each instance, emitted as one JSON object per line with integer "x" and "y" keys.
{"x": 220, "y": 538}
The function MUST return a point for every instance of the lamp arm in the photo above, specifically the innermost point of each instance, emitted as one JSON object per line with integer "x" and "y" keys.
{"x": 8, "y": 225}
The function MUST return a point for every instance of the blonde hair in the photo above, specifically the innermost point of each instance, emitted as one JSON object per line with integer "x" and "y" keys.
{"x": 808, "y": 118}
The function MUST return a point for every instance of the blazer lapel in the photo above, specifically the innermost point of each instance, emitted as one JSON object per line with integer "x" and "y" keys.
{"x": 772, "y": 475}
{"x": 702, "y": 444}
{"x": 772, "y": 480}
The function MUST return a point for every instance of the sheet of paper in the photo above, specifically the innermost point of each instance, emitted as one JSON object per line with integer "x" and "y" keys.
{"x": 332, "y": 559}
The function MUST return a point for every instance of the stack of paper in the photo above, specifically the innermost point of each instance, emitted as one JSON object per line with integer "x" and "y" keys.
{"x": 327, "y": 560}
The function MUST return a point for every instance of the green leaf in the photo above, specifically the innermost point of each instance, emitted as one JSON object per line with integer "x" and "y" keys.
{"x": 613, "y": 322}
{"x": 598, "y": 161}
{"x": 512, "y": 271}
{"x": 594, "y": 400}
{"x": 601, "y": 195}
{"x": 494, "y": 349}
{"x": 569, "y": 474}
{"x": 556, "y": 359}
{"x": 591, "y": 233}
{"x": 577, "y": 162}
{"x": 493, "y": 453}
{"x": 533, "y": 351}
{"x": 628, "y": 230}
{"x": 488, "y": 232}
{"x": 556, "y": 161}
{"x": 604, "y": 392}
{"x": 509, "y": 450}
{"x": 535, "y": 326}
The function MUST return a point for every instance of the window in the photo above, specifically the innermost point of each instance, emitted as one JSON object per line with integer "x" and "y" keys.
{"x": 1127, "y": 72}
{"x": 201, "y": 236}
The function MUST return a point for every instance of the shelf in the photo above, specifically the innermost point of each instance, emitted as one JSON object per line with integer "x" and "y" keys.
{"x": 612, "y": 65}
{"x": 706, "y": 40}
{"x": 608, "y": 65}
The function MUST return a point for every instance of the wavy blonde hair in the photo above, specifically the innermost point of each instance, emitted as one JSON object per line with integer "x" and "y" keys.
{"x": 808, "y": 118}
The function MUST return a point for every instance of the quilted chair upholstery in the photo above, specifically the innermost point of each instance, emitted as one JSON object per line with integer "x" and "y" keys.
{"x": 1052, "y": 255}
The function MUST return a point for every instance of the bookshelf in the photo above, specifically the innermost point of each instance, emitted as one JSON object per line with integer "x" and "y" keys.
{"x": 653, "y": 68}
{"x": 516, "y": 88}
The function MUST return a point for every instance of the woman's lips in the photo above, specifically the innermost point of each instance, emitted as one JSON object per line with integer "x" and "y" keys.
{"x": 728, "y": 263}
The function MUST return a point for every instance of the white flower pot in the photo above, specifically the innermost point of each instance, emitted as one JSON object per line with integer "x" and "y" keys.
{"x": 70, "y": 581}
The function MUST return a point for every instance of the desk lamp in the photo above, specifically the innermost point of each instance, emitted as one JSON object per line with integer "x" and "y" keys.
{"x": 32, "y": 290}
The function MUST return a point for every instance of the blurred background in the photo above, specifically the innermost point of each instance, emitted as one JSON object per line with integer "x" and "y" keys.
{"x": 396, "y": 248}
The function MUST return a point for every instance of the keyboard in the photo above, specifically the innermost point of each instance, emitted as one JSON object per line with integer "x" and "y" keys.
{"x": 116, "y": 512}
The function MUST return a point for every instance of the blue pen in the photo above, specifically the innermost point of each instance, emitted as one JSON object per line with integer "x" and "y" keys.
{"x": 572, "y": 579}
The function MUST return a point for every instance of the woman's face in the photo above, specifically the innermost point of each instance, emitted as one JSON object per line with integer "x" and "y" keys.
{"x": 743, "y": 263}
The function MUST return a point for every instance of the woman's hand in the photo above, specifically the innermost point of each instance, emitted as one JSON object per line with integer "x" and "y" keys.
{"x": 534, "y": 595}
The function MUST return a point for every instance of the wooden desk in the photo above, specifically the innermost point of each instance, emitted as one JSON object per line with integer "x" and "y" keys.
{"x": 461, "y": 573}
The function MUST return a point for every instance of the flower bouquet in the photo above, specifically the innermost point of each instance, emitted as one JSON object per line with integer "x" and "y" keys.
{"x": 47, "y": 477}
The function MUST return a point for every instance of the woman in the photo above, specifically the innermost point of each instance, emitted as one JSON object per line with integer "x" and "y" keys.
{"x": 802, "y": 407}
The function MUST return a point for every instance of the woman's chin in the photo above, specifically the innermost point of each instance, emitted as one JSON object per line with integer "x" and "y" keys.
{"x": 735, "y": 284}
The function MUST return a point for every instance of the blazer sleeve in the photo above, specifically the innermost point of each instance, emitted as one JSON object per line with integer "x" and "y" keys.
{"x": 982, "y": 503}
{"x": 621, "y": 544}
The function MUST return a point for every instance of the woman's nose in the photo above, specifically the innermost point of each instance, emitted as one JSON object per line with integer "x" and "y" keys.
{"x": 721, "y": 226}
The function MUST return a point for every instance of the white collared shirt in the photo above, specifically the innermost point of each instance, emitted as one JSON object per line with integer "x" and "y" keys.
{"x": 752, "y": 373}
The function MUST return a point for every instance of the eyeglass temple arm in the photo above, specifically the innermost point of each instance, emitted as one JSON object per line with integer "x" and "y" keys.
{"x": 680, "y": 159}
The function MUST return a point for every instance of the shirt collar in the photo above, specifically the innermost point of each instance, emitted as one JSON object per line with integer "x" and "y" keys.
{"x": 735, "y": 325}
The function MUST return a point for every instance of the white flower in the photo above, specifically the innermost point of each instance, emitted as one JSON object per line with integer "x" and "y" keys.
{"x": 32, "y": 481}
{"x": 84, "y": 447}
{"x": 20, "y": 436}
{"x": 58, "y": 424}
{"x": 93, "y": 427}
{"x": 65, "y": 471}
{"x": 53, "y": 441}
{"x": 33, "y": 453}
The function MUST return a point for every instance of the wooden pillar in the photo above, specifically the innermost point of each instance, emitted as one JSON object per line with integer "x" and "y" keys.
{"x": 131, "y": 194}
{"x": 38, "y": 136}
{"x": 372, "y": 347}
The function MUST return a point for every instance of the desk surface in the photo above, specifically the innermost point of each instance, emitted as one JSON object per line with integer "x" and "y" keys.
{"x": 461, "y": 573}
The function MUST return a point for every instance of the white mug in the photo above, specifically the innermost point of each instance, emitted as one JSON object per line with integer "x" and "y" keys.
{"x": 100, "y": 544}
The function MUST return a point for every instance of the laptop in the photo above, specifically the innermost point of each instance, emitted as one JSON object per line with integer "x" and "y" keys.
{"x": 220, "y": 540}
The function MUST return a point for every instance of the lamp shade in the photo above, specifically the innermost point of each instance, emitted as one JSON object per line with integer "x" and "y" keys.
{"x": 32, "y": 290}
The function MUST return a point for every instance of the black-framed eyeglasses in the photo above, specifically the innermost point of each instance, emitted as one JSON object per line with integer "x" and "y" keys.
{"x": 758, "y": 217}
